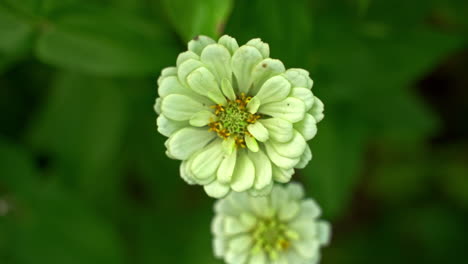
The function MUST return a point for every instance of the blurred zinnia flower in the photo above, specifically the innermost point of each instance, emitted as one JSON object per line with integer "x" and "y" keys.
{"x": 281, "y": 228}
{"x": 235, "y": 117}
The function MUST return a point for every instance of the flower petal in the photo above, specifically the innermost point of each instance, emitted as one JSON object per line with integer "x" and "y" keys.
{"x": 299, "y": 78}
{"x": 263, "y": 47}
{"x": 307, "y": 248}
{"x": 206, "y": 163}
{"x": 202, "y": 118}
{"x": 262, "y": 168}
{"x": 251, "y": 143}
{"x": 167, "y": 126}
{"x": 278, "y": 129}
{"x": 288, "y": 210}
{"x": 166, "y": 72}
{"x": 253, "y": 105}
{"x": 258, "y": 258}
{"x": 264, "y": 70}
{"x": 323, "y": 232}
{"x": 244, "y": 174}
{"x": 226, "y": 169}
{"x": 282, "y": 175}
{"x": 228, "y": 91}
{"x": 218, "y": 59}
{"x": 180, "y": 107}
{"x": 307, "y": 127}
{"x": 229, "y": 42}
{"x": 274, "y": 89}
{"x": 243, "y": 61}
{"x": 293, "y": 148}
{"x": 157, "y": 106}
{"x": 186, "y": 68}
{"x": 295, "y": 191}
{"x": 219, "y": 246}
{"x": 291, "y": 109}
{"x": 258, "y": 131}
{"x": 186, "y": 56}
{"x": 216, "y": 189}
{"x": 199, "y": 43}
{"x": 184, "y": 174}
{"x": 186, "y": 141}
{"x": 233, "y": 226}
{"x": 203, "y": 82}
{"x": 305, "y": 158}
{"x": 317, "y": 110}
{"x": 240, "y": 243}
{"x": 278, "y": 160}
{"x": 305, "y": 95}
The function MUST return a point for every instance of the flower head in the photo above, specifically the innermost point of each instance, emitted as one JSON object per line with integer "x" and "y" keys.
{"x": 280, "y": 228}
{"x": 236, "y": 118}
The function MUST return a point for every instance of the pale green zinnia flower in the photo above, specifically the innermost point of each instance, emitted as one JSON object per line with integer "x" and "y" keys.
{"x": 236, "y": 118}
{"x": 282, "y": 228}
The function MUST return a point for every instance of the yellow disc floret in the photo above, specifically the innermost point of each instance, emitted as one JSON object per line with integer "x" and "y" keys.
{"x": 233, "y": 119}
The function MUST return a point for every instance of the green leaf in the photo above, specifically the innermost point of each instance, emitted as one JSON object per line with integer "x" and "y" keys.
{"x": 198, "y": 17}
{"x": 80, "y": 130}
{"x": 337, "y": 159}
{"x": 105, "y": 43}
{"x": 15, "y": 33}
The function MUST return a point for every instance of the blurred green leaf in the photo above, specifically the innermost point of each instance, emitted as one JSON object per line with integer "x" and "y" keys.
{"x": 105, "y": 43}
{"x": 15, "y": 33}
{"x": 80, "y": 129}
{"x": 198, "y": 17}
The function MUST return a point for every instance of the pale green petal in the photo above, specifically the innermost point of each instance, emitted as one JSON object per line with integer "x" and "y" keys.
{"x": 262, "y": 168}
{"x": 226, "y": 169}
{"x": 309, "y": 210}
{"x": 274, "y": 89}
{"x": 263, "y": 47}
{"x": 258, "y": 258}
{"x": 166, "y": 72}
{"x": 229, "y": 42}
{"x": 217, "y": 225}
{"x": 263, "y": 71}
{"x": 243, "y": 61}
{"x": 216, "y": 189}
{"x": 219, "y": 247}
{"x": 171, "y": 85}
{"x": 203, "y": 82}
{"x": 278, "y": 129}
{"x": 202, "y": 118}
{"x": 288, "y": 210}
{"x": 291, "y": 109}
{"x": 180, "y": 107}
{"x": 307, "y": 127}
{"x": 278, "y": 160}
{"x": 261, "y": 207}
{"x": 184, "y": 56}
{"x": 186, "y": 68}
{"x": 229, "y": 145}
{"x": 248, "y": 220}
{"x": 295, "y": 191}
{"x": 253, "y": 105}
{"x": 218, "y": 60}
{"x": 206, "y": 163}
{"x": 279, "y": 197}
{"x": 317, "y": 110}
{"x": 292, "y": 149}
{"x": 244, "y": 174}
{"x": 251, "y": 143}
{"x": 232, "y": 226}
{"x": 299, "y": 78}
{"x": 187, "y": 141}
{"x": 157, "y": 106}
{"x": 258, "y": 131}
{"x": 236, "y": 258}
{"x": 228, "y": 91}
{"x": 261, "y": 192}
{"x": 305, "y": 95}
{"x": 282, "y": 175}
{"x": 184, "y": 174}
{"x": 323, "y": 232}
{"x": 307, "y": 248}
{"x": 305, "y": 158}
{"x": 198, "y": 43}
{"x": 167, "y": 126}
{"x": 240, "y": 243}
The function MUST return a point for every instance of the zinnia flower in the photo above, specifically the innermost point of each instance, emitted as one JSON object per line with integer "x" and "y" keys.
{"x": 281, "y": 228}
{"x": 235, "y": 117}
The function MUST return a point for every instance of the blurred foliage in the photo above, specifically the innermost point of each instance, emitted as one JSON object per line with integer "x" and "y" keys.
{"x": 83, "y": 172}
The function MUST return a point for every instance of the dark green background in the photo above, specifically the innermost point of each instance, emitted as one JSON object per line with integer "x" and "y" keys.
{"x": 83, "y": 174}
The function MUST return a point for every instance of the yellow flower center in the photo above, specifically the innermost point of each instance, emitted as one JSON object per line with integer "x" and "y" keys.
{"x": 271, "y": 236}
{"x": 233, "y": 119}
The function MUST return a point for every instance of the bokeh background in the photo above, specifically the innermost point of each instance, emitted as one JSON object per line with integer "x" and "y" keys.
{"x": 83, "y": 174}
